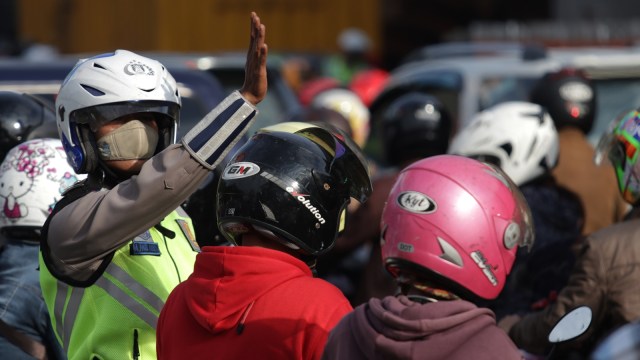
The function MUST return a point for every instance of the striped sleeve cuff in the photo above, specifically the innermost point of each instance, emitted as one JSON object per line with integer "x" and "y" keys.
{"x": 211, "y": 138}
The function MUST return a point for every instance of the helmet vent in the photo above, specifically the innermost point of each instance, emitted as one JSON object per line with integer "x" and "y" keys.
{"x": 532, "y": 147}
{"x": 93, "y": 91}
{"x": 96, "y": 65}
{"x": 507, "y": 148}
{"x": 267, "y": 212}
{"x": 449, "y": 253}
{"x": 543, "y": 163}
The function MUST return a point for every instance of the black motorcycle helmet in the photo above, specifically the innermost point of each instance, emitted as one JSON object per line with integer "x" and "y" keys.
{"x": 569, "y": 97}
{"x": 414, "y": 125}
{"x": 24, "y": 117}
{"x": 292, "y": 181}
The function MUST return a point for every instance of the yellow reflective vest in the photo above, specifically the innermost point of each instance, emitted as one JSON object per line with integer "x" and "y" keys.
{"x": 116, "y": 316}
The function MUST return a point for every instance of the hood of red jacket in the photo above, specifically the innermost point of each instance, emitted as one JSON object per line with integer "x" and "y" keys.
{"x": 227, "y": 280}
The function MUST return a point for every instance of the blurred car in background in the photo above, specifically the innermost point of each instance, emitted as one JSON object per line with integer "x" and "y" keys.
{"x": 453, "y": 49}
{"x": 464, "y": 84}
{"x": 471, "y": 80}
{"x": 617, "y": 80}
{"x": 280, "y": 103}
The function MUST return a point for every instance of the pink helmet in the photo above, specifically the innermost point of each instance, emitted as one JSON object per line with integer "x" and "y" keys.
{"x": 457, "y": 222}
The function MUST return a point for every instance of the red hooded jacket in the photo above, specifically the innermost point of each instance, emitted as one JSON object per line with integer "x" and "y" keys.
{"x": 249, "y": 303}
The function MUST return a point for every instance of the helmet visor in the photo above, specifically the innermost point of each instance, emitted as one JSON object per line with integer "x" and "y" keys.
{"x": 621, "y": 145}
{"x": 522, "y": 214}
{"x": 96, "y": 116}
{"x": 607, "y": 141}
{"x": 347, "y": 156}
{"x": 21, "y": 115}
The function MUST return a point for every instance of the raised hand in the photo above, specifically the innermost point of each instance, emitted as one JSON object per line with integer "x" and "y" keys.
{"x": 254, "y": 88}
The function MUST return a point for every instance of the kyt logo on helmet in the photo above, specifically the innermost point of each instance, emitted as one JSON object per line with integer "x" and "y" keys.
{"x": 416, "y": 202}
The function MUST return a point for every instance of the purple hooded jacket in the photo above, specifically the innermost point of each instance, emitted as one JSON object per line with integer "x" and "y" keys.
{"x": 399, "y": 328}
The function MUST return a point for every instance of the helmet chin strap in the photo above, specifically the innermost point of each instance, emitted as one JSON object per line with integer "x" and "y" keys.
{"x": 106, "y": 176}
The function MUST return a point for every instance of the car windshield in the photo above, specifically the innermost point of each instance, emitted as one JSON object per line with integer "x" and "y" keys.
{"x": 272, "y": 110}
{"x": 614, "y": 96}
{"x": 193, "y": 109}
{"x": 494, "y": 90}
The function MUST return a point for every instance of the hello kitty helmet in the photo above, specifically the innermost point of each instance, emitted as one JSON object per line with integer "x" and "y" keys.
{"x": 33, "y": 176}
{"x": 455, "y": 222}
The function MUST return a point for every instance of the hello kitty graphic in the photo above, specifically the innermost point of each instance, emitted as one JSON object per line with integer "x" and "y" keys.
{"x": 29, "y": 166}
{"x": 10, "y": 194}
{"x": 64, "y": 181}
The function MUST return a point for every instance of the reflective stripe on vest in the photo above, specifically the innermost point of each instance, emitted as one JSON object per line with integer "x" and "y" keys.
{"x": 64, "y": 325}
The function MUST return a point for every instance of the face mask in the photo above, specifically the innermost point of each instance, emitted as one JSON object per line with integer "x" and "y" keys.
{"x": 134, "y": 140}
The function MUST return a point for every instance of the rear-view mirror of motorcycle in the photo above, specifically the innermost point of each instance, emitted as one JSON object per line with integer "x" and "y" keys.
{"x": 573, "y": 324}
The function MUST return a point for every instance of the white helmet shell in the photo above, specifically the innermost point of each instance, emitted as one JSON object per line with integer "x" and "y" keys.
{"x": 520, "y": 137}
{"x": 354, "y": 40}
{"x": 349, "y": 104}
{"x": 33, "y": 176}
{"x": 127, "y": 81}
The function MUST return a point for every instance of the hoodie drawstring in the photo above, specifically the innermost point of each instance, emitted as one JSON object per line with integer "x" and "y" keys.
{"x": 240, "y": 327}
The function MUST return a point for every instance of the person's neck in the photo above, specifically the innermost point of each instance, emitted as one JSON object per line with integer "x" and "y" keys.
{"x": 254, "y": 238}
{"x": 423, "y": 293}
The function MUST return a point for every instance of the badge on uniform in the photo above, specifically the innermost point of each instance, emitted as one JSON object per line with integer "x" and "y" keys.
{"x": 186, "y": 230}
{"x": 143, "y": 244}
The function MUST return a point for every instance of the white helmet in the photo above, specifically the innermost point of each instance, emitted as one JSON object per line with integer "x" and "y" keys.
{"x": 349, "y": 104}
{"x": 354, "y": 40}
{"x": 33, "y": 176}
{"x": 520, "y": 137}
{"x": 105, "y": 87}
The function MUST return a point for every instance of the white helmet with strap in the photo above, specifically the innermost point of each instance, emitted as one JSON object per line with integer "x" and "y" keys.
{"x": 108, "y": 86}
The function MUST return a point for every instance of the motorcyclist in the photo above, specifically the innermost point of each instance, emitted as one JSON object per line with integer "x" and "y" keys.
{"x": 24, "y": 117}
{"x": 605, "y": 276}
{"x": 33, "y": 176}
{"x": 570, "y": 97}
{"x": 412, "y": 126}
{"x": 521, "y": 139}
{"x": 117, "y": 243}
{"x": 450, "y": 231}
{"x": 281, "y": 200}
